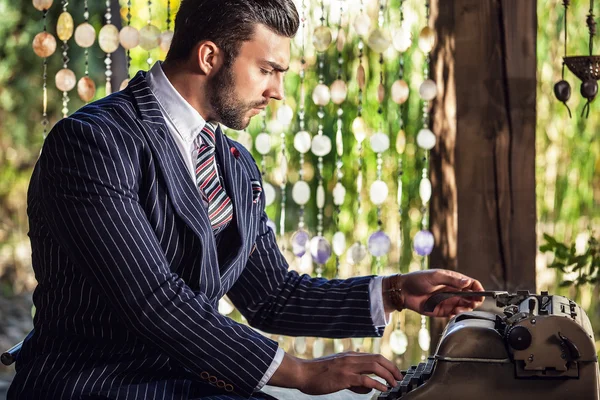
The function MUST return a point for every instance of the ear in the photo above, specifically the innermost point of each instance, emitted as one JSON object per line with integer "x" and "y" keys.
{"x": 209, "y": 57}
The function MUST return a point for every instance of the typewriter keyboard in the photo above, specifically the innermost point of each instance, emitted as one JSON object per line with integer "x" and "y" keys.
{"x": 413, "y": 378}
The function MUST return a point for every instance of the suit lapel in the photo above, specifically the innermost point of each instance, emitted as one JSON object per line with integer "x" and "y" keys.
{"x": 183, "y": 193}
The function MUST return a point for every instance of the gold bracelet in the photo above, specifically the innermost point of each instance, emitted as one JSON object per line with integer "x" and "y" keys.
{"x": 396, "y": 298}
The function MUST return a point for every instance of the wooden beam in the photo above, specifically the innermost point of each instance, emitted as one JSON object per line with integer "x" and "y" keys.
{"x": 483, "y": 210}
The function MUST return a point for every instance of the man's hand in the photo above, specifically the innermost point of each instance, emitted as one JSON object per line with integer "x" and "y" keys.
{"x": 418, "y": 286}
{"x": 336, "y": 372}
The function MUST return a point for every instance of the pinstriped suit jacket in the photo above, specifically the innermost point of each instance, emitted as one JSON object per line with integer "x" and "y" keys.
{"x": 129, "y": 275}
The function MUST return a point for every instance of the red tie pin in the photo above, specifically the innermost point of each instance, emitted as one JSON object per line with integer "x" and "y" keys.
{"x": 235, "y": 152}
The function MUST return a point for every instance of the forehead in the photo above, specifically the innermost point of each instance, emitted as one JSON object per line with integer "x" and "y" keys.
{"x": 267, "y": 45}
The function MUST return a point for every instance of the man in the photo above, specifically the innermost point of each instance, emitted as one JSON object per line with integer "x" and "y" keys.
{"x": 143, "y": 215}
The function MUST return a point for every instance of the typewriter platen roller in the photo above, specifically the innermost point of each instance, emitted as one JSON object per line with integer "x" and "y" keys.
{"x": 540, "y": 348}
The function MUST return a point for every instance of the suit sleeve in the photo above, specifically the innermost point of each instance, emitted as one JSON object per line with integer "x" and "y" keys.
{"x": 89, "y": 187}
{"x": 277, "y": 300}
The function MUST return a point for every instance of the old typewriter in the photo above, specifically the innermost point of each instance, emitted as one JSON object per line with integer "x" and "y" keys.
{"x": 540, "y": 347}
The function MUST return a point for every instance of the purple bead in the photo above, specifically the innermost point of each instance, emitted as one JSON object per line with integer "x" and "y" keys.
{"x": 299, "y": 243}
{"x": 379, "y": 243}
{"x": 423, "y": 242}
{"x": 320, "y": 249}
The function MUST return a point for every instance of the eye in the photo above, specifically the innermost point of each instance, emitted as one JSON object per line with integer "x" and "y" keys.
{"x": 266, "y": 72}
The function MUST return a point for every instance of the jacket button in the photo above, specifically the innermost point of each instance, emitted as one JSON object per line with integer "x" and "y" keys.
{"x": 229, "y": 387}
{"x": 212, "y": 379}
{"x": 221, "y": 384}
{"x": 204, "y": 375}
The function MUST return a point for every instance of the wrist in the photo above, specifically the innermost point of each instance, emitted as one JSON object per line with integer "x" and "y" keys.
{"x": 393, "y": 298}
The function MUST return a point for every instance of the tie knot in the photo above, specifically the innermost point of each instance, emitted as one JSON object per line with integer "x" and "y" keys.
{"x": 208, "y": 134}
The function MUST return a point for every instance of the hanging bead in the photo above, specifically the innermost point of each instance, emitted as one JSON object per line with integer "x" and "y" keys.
{"x": 318, "y": 348}
{"x": 129, "y": 37}
{"x": 86, "y": 89}
{"x": 65, "y": 80}
{"x": 401, "y": 39}
{"x": 426, "y": 39}
{"x": 378, "y": 192}
{"x": 379, "y": 244}
{"x": 108, "y": 38}
{"x": 44, "y": 44}
{"x": 300, "y": 241}
{"x": 380, "y": 142}
{"x": 302, "y": 142}
{"x": 263, "y": 143}
{"x": 165, "y": 40}
{"x": 85, "y": 35}
{"x": 269, "y": 193}
{"x": 398, "y": 342}
{"x": 424, "y": 339}
{"x": 300, "y": 345}
{"x": 380, "y": 93}
{"x": 124, "y": 84}
{"x": 400, "y": 141}
{"x": 425, "y": 190}
{"x": 341, "y": 40}
{"x": 379, "y": 40}
{"x": 322, "y": 38}
{"x": 400, "y": 91}
{"x": 426, "y": 139}
{"x": 339, "y": 243}
{"x": 360, "y": 76}
{"x": 428, "y": 90}
{"x": 320, "y": 250}
{"x": 423, "y": 242}
{"x": 339, "y": 194}
{"x": 339, "y": 91}
{"x": 42, "y": 5}
{"x": 359, "y": 128}
{"x": 362, "y": 24}
{"x": 301, "y": 193}
{"x": 356, "y": 253}
{"x": 149, "y": 37}
{"x": 321, "y": 95}
{"x": 321, "y": 145}
{"x": 285, "y": 114}
{"x": 64, "y": 26}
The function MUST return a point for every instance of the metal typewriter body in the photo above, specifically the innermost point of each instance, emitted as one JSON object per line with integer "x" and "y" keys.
{"x": 540, "y": 348}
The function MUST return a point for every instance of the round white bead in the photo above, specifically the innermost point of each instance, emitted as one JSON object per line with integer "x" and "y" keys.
{"x": 339, "y": 193}
{"x": 426, "y": 139}
{"x": 380, "y": 142}
{"x": 301, "y": 193}
{"x": 428, "y": 90}
{"x": 285, "y": 114}
{"x": 321, "y": 95}
{"x": 339, "y": 243}
{"x": 425, "y": 190}
{"x": 263, "y": 143}
{"x": 269, "y": 193}
{"x": 321, "y": 145}
{"x": 378, "y": 192}
{"x": 302, "y": 142}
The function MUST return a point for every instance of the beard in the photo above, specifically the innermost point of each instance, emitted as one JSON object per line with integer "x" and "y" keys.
{"x": 229, "y": 108}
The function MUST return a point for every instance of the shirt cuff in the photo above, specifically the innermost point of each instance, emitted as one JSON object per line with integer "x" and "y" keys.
{"x": 380, "y": 318}
{"x": 272, "y": 368}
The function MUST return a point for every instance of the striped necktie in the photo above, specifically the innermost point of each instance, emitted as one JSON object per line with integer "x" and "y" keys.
{"x": 220, "y": 209}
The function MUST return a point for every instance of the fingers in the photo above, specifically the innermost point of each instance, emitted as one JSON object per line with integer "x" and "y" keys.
{"x": 377, "y": 369}
{"x": 363, "y": 381}
{"x": 366, "y": 359}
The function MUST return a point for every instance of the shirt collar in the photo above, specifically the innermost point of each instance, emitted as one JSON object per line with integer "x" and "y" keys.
{"x": 186, "y": 120}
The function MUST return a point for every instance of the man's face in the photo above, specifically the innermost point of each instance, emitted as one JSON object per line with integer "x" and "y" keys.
{"x": 242, "y": 90}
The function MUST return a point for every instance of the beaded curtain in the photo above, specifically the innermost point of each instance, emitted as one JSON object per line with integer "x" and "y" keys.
{"x": 344, "y": 157}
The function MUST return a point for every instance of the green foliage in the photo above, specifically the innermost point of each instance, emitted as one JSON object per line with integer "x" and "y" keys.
{"x": 586, "y": 266}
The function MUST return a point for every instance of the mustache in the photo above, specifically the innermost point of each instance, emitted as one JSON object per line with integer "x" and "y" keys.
{"x": 261, "y": 104}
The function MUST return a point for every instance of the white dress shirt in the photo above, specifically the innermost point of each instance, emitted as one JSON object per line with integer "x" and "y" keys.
{"x": 184, "y": 124}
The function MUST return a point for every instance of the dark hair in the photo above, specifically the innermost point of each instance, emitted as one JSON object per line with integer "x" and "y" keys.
{"x": 228, "y": 23}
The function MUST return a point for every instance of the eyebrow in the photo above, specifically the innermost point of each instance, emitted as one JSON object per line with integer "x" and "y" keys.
{"x": 277, "y": 67}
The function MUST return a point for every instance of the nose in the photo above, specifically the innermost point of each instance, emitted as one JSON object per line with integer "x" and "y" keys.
{"x": 275, "y": 90}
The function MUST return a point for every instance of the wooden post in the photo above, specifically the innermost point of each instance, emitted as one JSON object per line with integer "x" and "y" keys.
{"x": 483, "y": 210}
